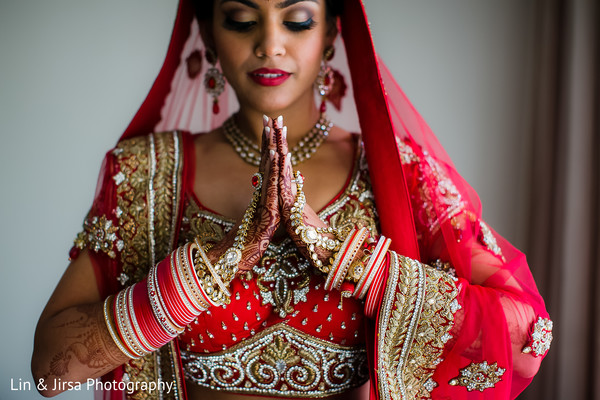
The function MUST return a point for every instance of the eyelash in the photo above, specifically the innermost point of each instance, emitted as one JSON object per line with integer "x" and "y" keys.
{"x": 234, "y": 25}
{"x": 300, "y": 26}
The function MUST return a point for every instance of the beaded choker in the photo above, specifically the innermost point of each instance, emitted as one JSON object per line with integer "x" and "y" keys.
{"x": 250, "y": 151}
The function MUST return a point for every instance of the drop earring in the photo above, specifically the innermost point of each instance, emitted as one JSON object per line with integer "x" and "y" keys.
{"x": 324, "y": 81}
{"x": 214, "y": 81}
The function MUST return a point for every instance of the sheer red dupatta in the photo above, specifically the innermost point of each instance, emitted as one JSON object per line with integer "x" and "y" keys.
{"x": 498, "y": 297}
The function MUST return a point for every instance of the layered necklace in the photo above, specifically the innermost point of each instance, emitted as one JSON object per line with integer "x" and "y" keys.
{"x": 250, "y": 151}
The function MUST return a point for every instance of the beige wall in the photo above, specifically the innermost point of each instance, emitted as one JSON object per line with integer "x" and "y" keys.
{"x": 72, "y": 74}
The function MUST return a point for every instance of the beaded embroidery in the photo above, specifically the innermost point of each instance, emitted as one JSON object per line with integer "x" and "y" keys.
{"x": 479, "y": 376}
{"x": 541, "y": 338}
{"x": 487, "y": 238}
{"x": 280, "y": 361}
{"x": 283, "y": 277}
{"x": 416, "y": 318}
{"x": 99, "y": 234}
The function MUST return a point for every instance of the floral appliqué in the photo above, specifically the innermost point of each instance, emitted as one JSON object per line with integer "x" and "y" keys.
{"x": 479, "y": 376}
{"x": 99, "y": 234}
{"x": 540, "y": 339}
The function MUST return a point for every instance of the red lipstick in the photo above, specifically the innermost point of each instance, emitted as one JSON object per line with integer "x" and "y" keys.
{"x": 269, "y": 77}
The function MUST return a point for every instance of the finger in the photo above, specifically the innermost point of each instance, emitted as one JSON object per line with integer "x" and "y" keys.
{"x": 282, "y": 144}
{"x": 271, "y": 174}
{"x": 272, "y": 189}
{"x": 287, "y": 185}
{"x": 278, "y": 126}
{"x": 289, "y": 173}
{"x": 266, "y": 143}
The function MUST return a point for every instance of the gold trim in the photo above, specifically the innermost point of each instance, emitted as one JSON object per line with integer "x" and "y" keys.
{"x": 280, "y": 361}
{"x": 148, "y": 183}
{"x": 414, "y": 324}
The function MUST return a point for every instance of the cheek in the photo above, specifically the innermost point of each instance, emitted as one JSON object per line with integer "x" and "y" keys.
{"x": 231, "y": 57}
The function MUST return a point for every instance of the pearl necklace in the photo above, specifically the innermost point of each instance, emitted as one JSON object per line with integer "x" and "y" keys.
{"x": 250, "y": 152}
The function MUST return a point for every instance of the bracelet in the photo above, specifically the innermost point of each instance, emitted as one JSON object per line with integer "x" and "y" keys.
{"x": 190, "y": 290}
{"x": 149, "y": 325}
{"x": 227, "y": 265}
{"x": 124, "y": 328}
{"x": 375, "y": 289}
{"x": 211, "y": 268}
{"x": 111, "y": 328}
{"x": 373, "y": 266}
{"x": 312, "y": 236}
{"x": 159, "y": 307}
{"x": 137, "y": 331}
{"x": 192, "y": 278}
{"x": 345, "y": 257}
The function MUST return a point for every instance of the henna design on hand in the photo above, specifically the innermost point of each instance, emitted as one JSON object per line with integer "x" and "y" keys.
{"x": 90, "y": 345}
{"x": 287, "y": 197}
{"x": 266, "y": 218}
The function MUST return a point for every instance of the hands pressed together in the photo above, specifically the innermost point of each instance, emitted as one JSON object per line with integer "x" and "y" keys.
{"x": 196, "y": 276}
{"x": 275, "y": 207}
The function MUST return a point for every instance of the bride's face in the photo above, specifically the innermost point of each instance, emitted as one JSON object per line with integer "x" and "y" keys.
{"x": 271, "y": 51}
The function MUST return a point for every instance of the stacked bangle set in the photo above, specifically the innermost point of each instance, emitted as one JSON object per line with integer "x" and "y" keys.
{"x": 143, "y": 317}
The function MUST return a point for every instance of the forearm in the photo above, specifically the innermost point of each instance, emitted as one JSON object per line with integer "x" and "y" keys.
{"x": 72, "y": 346}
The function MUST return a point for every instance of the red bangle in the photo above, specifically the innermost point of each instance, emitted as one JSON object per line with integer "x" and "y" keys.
{"x": 149, "y": 325}
{"x": 375, "y": 290}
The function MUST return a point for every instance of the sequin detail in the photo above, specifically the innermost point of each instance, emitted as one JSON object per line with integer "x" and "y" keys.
{"x": 540, "y": 339}
{"x": 416, "y": 318}
{"x": 479, "y": 376}
{"x": 487, "y": 238}
{"x": 283, "y": 277}
{"x": 280, "y": 361}
{"x": 99, "y": 234}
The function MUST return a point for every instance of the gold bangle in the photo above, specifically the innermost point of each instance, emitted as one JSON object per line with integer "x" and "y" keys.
{"x": 111, "y": 328}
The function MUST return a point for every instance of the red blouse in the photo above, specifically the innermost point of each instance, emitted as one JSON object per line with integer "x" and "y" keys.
{"x": 279, "y": 311}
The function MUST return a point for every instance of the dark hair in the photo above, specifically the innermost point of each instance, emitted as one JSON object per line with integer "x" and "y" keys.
{"x": 204, "y": 8}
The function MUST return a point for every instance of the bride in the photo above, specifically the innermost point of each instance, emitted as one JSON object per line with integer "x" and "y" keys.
{"x": 277, "y": 254}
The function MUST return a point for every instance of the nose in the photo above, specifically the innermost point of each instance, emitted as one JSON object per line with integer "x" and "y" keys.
{"x": 270, "y": 41}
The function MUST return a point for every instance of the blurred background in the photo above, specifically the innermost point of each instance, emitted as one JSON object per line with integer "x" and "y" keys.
{"x": 511, "y": 89}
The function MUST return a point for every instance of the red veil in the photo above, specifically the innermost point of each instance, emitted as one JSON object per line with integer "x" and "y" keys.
{"x": 499, "y": 302}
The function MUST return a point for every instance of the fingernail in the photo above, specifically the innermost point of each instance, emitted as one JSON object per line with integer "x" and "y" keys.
{"x": 284, "y": 132}
{"x": 272, "y": 153}
{"x": 265, "y": 120}
{"x": 280, "y": 121}
{"x": 288, "y": 156}
{"x": 267, "y": 130}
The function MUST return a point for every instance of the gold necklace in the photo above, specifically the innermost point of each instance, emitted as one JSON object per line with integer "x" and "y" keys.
{"x": 250, "y": 152}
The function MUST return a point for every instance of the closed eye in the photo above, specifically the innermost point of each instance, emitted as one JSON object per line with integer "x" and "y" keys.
{"x": 300, "y": 26}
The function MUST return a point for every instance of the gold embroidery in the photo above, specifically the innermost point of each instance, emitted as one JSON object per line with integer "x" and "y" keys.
{"x": 99, "y": 234}
{"x": 280, "y": 361}
{"x": 131, "y": 181}
{"x": 147, "y": 185}
{"x": 407, "y": 154}
{"x": 541, "y": 337}
{"x": 356, "y": 207}
{"x": 414, "y": 324}
{"x": 479, "y": 376}
{"x": 437, "y": 198}
{"x": 199, "y": 225}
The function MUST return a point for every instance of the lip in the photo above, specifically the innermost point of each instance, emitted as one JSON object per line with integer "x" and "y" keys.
{"x": 269, "y": 77}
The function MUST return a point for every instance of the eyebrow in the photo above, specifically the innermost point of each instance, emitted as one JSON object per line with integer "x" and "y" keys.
{"x": 287, "y": 3}
{"x": 282, "y": 4}
{"x": 248, "y": 3}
